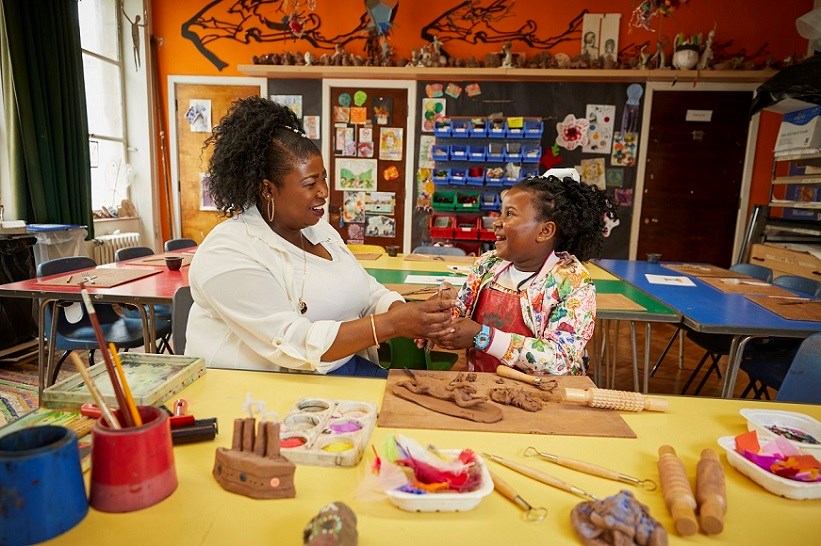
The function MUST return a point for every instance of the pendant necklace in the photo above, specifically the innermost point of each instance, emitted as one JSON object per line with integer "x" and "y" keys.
{"x": 303, "y": 307}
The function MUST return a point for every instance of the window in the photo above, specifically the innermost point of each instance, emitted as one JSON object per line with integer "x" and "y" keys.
{"x": 103, "y": 69}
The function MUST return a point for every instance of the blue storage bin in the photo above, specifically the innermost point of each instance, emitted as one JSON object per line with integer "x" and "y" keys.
{"x": 514, "y": 132}
{"x": 440, "y": 152}
{"x": 476, "y": 152}
{"x": 533, "y": 128}
{"x": 513, "y": 151}
{"x": 458, "y": 176}
{"x": 476, "y": 179}
{"x": 496, "y": 182}
{"x": 531, "y": 154}
{"x": 495, "y": 152}
{"x": 442, "y": 128}
{"x": 490, "y": 201}
{"x": 527, "y": 173}
{"x": 458, "y": 152}
{"x": 478, "y": 128}
{"x": 460, "y": 128}
{"x": 441, "y": 176}
{"x": 496, "y": 128}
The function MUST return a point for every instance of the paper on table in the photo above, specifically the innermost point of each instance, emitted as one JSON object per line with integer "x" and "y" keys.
{"x": 672, "y": 280}
{"x": 433, "y": 279}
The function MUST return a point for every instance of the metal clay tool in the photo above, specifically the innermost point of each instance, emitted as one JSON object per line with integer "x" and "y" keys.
{"x": 531, "y": 514}
{"x": 543, "y": 383}
{"x": 592, "y": 469}
{"x": 540, "y": 476}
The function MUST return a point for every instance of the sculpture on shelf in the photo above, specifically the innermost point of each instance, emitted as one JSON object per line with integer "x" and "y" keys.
{"x": 507, "y": 55}
{"x": 707, "y": 54}
{"x": 685, "y": 56}
{"x": 135, "y": 34}
{"x": 309, "y": 58}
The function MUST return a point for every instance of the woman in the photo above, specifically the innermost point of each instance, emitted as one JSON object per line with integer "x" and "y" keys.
{"x": 275, "y": 286}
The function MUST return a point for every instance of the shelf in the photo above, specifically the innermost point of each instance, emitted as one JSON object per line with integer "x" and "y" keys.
{"x": 512, "y": 74}
{"x": 792, "y": 227}
{"x": 809, "y": 205}
{"x": 798, "y": 156}
{"x": 803, "y": 180}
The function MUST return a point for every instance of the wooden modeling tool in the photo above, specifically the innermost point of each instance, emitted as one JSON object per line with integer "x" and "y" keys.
{"x": 122, "y": 403}
{"x": 540, "y": 476}
{"x": 95, "y": 394}
{"x": 678, "y": 496}
{"x": 542, "y": 382}
{"x": 531, "y": 514}
{"x": 592, "y": 469}
{"x": 711, "y": 493}
{"x": 132, "y": 407}
{"x": 616, "y": 400}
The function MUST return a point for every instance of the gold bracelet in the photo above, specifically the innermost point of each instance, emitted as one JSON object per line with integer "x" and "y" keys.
{"x": 373, "y": 329}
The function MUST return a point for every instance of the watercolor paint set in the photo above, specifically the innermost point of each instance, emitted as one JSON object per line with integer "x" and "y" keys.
{"x": 323, "y": 432}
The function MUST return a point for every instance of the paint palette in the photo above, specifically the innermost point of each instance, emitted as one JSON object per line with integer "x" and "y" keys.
{"x": 323, "y": 432}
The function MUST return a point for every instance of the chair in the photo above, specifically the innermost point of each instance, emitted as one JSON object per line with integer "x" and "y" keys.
{"x": 805, "y": 286}
{"x": 362, "y": 249}
{"x": 439, "y": 250}
{"x": 755, "y": 271}
{"x": 177, "y": 244}
{"x": 69, "y": 335}
{"x": 161, "y": 312}
{"x": 179, "y": 321}
{"x": 795, "y": 372}
{"x": 401, "y": 352}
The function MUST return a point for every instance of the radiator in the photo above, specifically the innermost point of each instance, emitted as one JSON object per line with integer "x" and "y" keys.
{"x": 106, "y": 245}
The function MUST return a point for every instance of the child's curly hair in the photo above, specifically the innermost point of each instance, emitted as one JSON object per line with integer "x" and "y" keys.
{"x": 257, "y": 139}
{"x": 577, "y": 209}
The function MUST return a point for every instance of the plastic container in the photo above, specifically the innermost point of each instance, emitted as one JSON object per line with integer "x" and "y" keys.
{"x": 514, "y": 132}
{"x": 56, "y": 241}
{"x": 496, "y": 128}
{"x": 467, "y": 201}
{"x": 444, "y": 200}
{"x": 467, "y": 229}
{"x": 513, "y": 151}
{"x": 441, "y": 176}
{"x": 445, "y": 502}
{"x": 442, "y": 226}
{"x": 440, "y": 152}
{"x": 773, "y": 483}
{"x": 478, "y": 128}
{"x": 531, "y": 154}
{"x": 442, "y": 128}
{"x": 460, "y": 128}
{"x": 458, "y": 152}
{"x": 458, "y": 175}
{"x": 476, "y": 152}
{"x": 759, "y": 420}
{"x": 486, "y": 232}
{"x": 490, "y": 201}
{"x": 495, "y": 152}
{"x": 476, "y": 176}
{"x": 533, "y": 128}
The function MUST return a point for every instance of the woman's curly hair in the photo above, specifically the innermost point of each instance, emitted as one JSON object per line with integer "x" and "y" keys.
{"x": 577, "y": 209}
{"x": 257, "y": 139}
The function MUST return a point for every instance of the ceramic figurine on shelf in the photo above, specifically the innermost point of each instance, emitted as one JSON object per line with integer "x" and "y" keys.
{"x": 414, "y": 61}
{"x": 685, "y": 56}
{"x": 309, "y": 58}
{"x": 707, "y": 54}
{"x": 507, "y": 55}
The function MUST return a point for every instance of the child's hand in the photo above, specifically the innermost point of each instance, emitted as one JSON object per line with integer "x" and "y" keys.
{"x": 458, "y": 335}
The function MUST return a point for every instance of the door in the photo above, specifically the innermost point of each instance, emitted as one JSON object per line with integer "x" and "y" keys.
{"x": 695, "y": 161}
{"x": 198, "y": 107}
{"x": 368, "y": 162}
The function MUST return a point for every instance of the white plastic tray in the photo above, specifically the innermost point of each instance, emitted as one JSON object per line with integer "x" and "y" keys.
{"x": 773, "y": 483}
{"x": 759, "y": 420}
{"x": 445, "y": 502}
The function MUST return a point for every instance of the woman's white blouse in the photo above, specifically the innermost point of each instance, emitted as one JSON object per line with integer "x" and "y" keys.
{"x": 246, "y": 282}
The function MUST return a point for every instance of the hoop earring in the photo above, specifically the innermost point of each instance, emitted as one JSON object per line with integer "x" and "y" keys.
{"x": 270, "y": 210}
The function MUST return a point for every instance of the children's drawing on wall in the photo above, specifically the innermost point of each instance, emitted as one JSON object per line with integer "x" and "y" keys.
{"x": 433, "y": 90}
{"x": 380, "y": 226}
{"x": 199, "y": 115}
{"x": 626, "y": 140}
{"x": 344, "y": 143}
{"x": 614, "y": 178}
{"x": 600, "y": 130}
{"x": 382, "y": 110}
{"x": 311, "y": 126}
{"x": 600, "y": 35}
{"x": 353, "y": 206}
{"x": 426, "y": 143}
{"x": 364, "y": 147}
{"x": 206, "y": 201}
{"x": 425, "y": 188}
{"x": 293, "y": 102}
{"x": 592, "y": 172}
{"x": 356, "y": 234}
{"x": 355, "y": 174}
{"x": 359, "y": 115}
{"x": 432, "y": 111}
{"x": 623, "y": 197}
{"x": 342, "y": 114}
{"x": 391, "y": 143}
{"x": 572, "y": 132}
{"x": 380, "y": 202}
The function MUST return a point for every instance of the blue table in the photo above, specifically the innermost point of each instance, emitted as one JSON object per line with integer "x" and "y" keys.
{"x": 706, "y": 309}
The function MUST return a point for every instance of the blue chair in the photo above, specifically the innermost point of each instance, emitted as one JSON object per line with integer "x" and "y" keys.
{"x": 802, "y": 285}
{"x": 439, "y": 250}
{"x": 795, "y": 372}
{"x": 179, "y": 317}
{"x": 177, "y": 244}
{"x": 755, "y": 271}
{"x": 162, "y": 313}
{"x": 63, "y": 334}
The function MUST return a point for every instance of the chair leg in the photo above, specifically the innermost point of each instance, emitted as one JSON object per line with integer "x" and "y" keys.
{"x": 695, "y": 372}
{"x": 665, "y": 351}
{"x": 713, "y": 367}
{"x": 56, "y": 371}
{"x": 747, "y": 389}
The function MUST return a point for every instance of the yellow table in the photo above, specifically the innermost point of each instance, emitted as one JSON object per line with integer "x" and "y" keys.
{"x": 435, "y": 265}
{"x": 200, "y": 512}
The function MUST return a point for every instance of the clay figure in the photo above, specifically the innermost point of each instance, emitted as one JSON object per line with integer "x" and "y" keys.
{"x": 619, "y": 519}
{"x": 460, "y": 392}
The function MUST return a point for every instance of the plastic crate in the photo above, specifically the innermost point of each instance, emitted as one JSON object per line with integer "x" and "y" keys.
{"x": 534, "y": 128}
{"x": 496, "y": 128}
{"x": 440, "y": 152}
{"x": 494, "y": 176}
{"x": 467, "y": 229}
{"x": 458, "y": 175}
{"x": 444, "y": 200}
{"x": 513, "y": 151}
{"x": 460, "y": 128}
{"x": 514, "y": 132}
{"x": 442, "y": 226}
{"x": 486, "y": 232}
{"x": 441, "y": 176}
{"x": 478, "y": 128}
{"x": 476, "y": 152}
{"x": 495, "y": 152}
{"x": 490, "y": 201}
{"x": 442, "y": 128}
{"x": 527, "y": 173}
{"x": 458, "y": 152}
{"x": 476, "y": 176}
{"x": 467, "y": 201}
{"x": 531, "y": 154}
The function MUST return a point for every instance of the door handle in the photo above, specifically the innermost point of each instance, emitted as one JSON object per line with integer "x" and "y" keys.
{"x": 653, "y": 220}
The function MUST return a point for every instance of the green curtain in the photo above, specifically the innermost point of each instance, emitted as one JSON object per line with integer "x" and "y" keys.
{"x": 49, "y": 152}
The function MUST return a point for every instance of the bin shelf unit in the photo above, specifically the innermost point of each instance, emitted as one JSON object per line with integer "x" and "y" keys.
{"x": 475, "y": 159}
{"x": 796, "y": 189}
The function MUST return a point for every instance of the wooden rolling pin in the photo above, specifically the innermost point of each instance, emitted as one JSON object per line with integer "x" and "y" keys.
{"x": 678, "y": 496}
{"x": 510, "y": 373}
{"x": 711, "y": 493}
{"x": 617, "y": 400}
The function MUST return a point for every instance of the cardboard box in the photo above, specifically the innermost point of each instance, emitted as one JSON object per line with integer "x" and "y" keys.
{"x": 786, "y": 261}
{"x": 800, "y": 130}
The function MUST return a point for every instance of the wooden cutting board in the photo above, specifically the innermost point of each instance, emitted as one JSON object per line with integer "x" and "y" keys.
{"x": 704, "y": 270}
{"x": 790, "y": 308}
{"x": 745, "y": 286}
{"x": 554, "y": 418}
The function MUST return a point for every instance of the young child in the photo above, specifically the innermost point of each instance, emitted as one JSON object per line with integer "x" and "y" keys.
{"x": 530, "y": 304}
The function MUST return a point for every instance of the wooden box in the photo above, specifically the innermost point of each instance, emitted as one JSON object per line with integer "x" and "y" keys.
{"x": 153, "y": 379}
{"x": 785, "y": 261}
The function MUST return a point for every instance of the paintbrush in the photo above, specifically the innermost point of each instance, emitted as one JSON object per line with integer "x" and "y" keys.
{"x": 132, "y": 407}
{"x": 95, "y": 394}
{"x": 122, "y": 403}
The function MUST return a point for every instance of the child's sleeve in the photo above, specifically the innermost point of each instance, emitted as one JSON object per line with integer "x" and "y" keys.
{"x": 560, "y": 350}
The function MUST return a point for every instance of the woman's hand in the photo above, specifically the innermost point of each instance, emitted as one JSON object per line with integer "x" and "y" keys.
{"x": 458, "y": 335}
{"x": 421, "y": 320}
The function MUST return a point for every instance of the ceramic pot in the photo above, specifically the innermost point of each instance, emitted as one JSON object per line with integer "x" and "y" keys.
{"x": 685, "y": 59}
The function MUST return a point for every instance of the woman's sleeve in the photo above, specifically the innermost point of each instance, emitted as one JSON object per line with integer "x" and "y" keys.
{"x": 560, "y": 350}
{"x": 379, "y": 298}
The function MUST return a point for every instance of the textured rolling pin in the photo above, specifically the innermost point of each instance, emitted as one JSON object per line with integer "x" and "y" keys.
{"x": 617, "y": 400}
{"x": 678, "y": 496}
{"x": 711, "y": 493}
